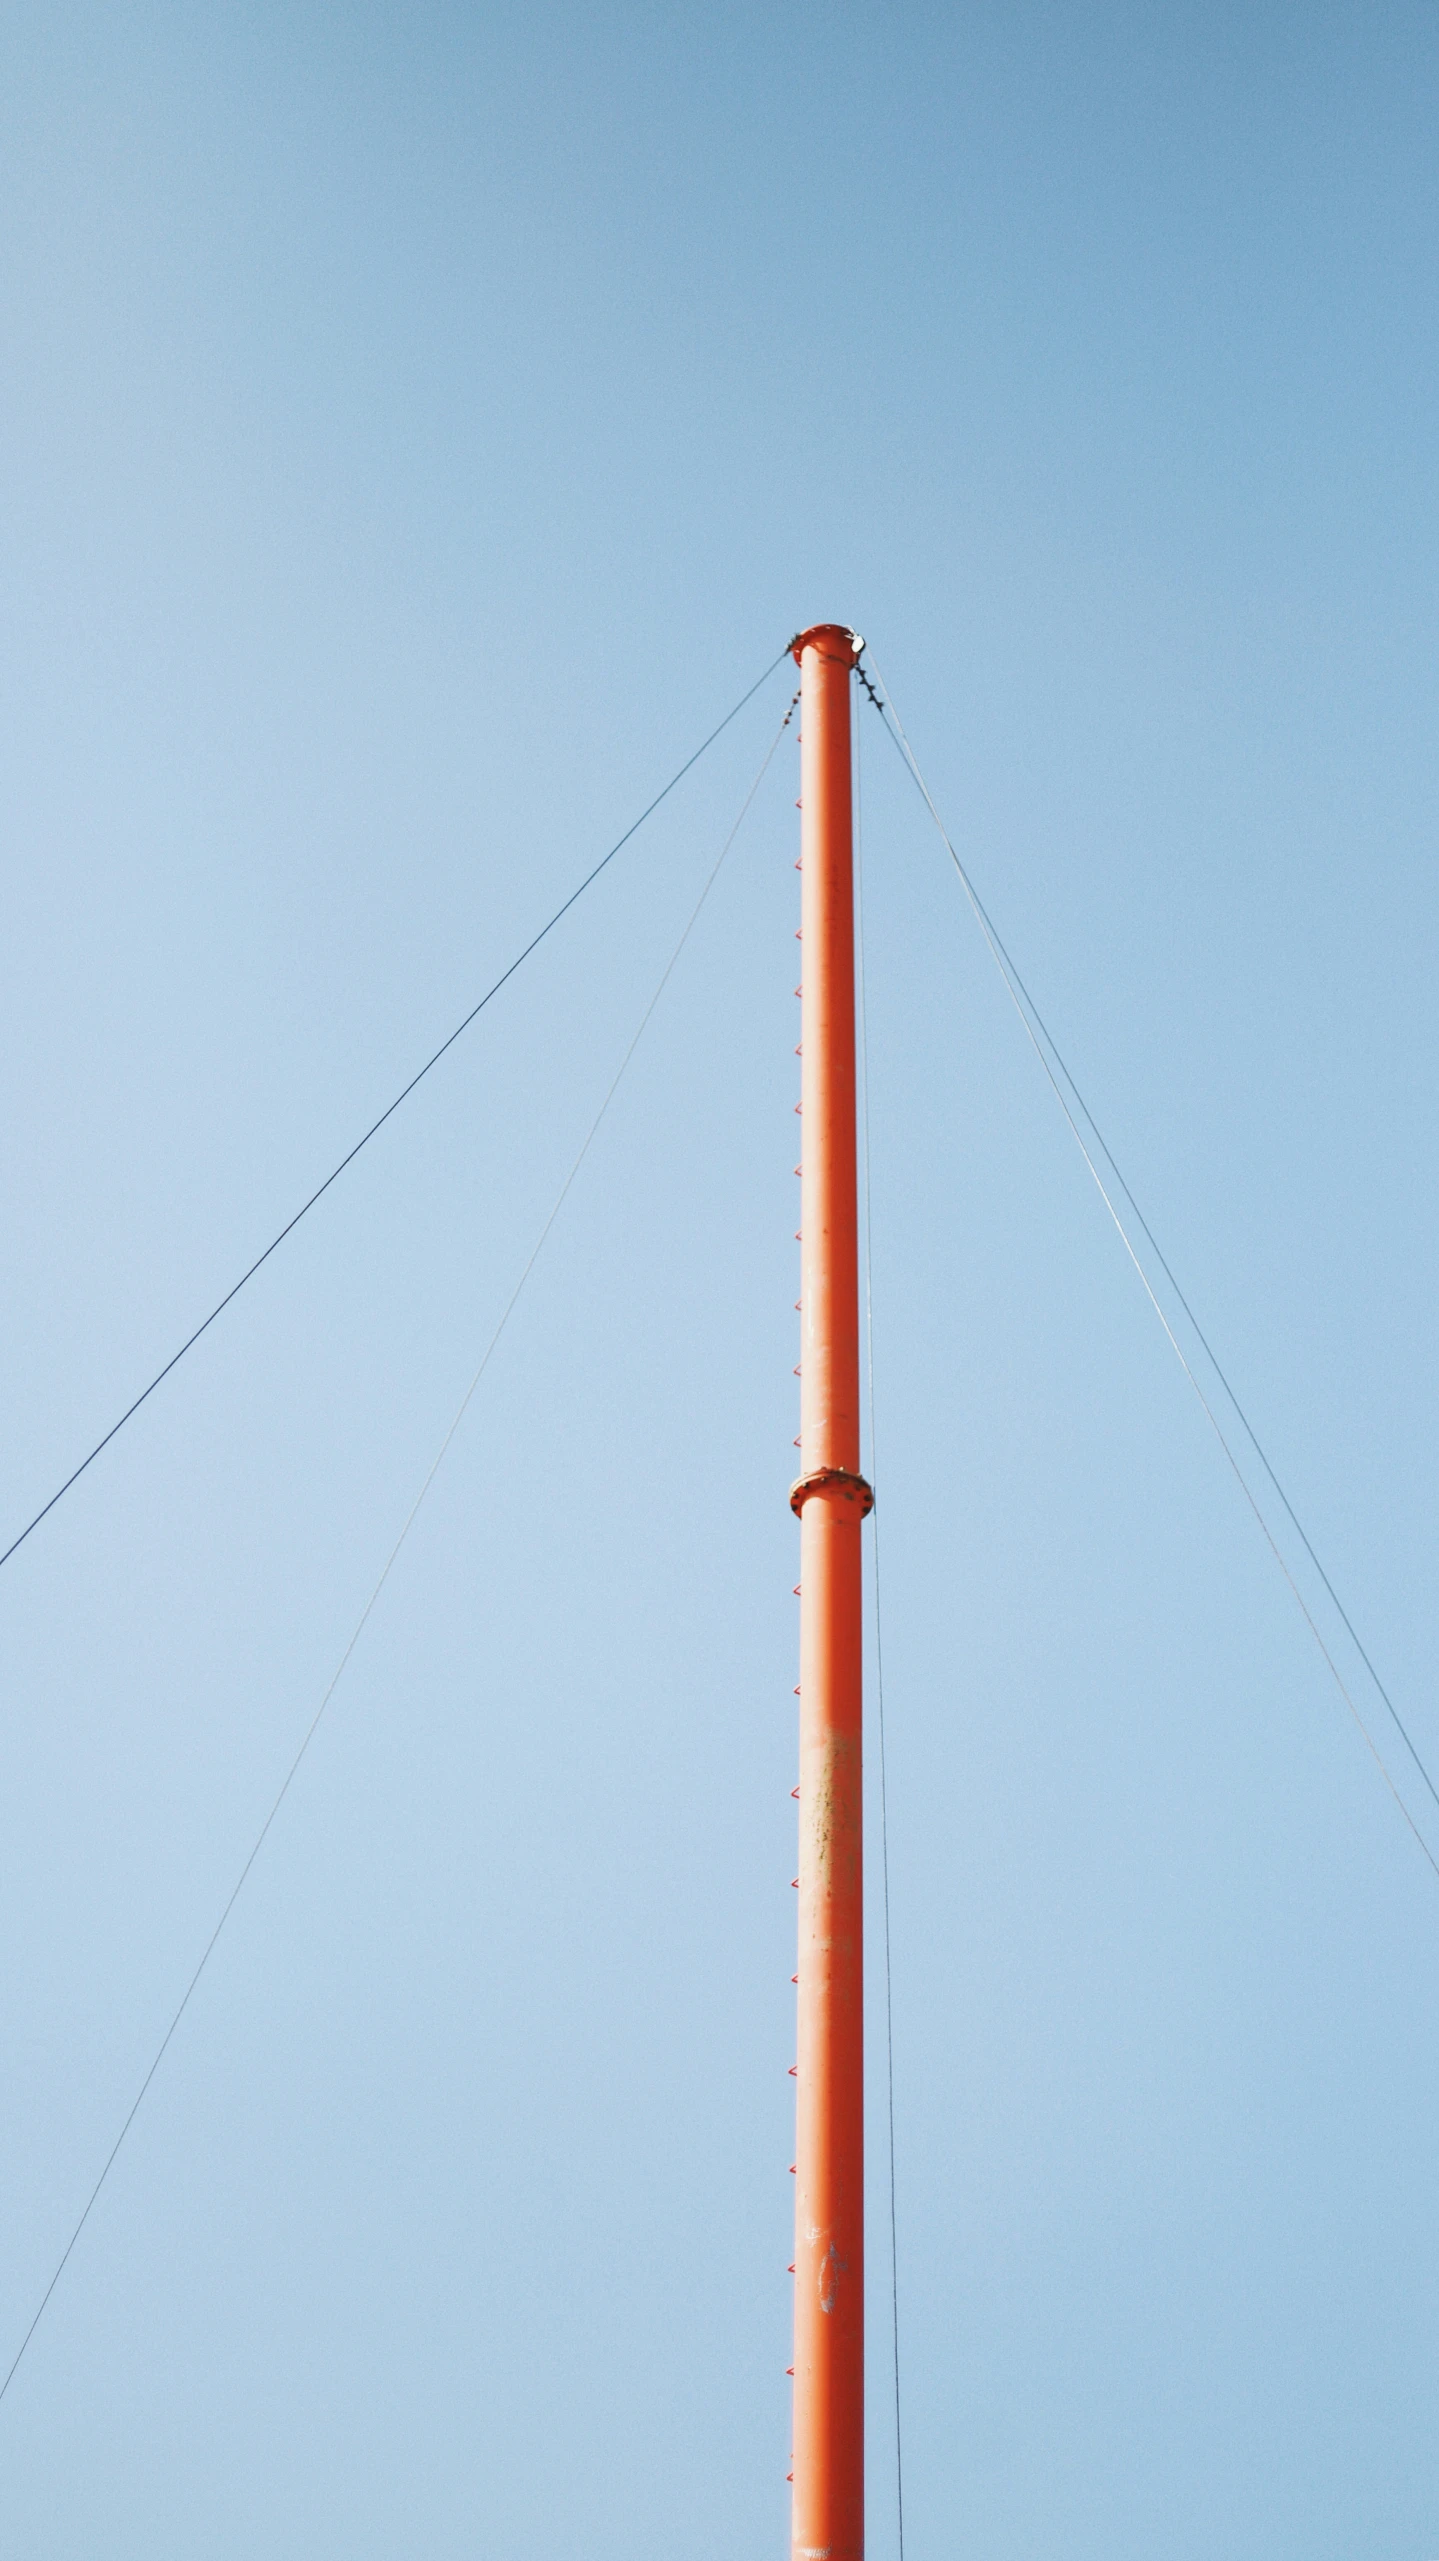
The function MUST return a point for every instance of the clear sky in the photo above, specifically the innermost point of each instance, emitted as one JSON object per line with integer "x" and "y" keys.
{"x": 418, "y": 427}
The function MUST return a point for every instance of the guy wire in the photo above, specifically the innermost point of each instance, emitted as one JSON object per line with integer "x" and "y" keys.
{"x": 313, "y": 1728}
{"x": 1025, "y": 1006}
{"x": 878, "y": 1629}
{"x": 390, "y": 1108}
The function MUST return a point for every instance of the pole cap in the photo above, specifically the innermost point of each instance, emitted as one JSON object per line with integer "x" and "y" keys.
{"x": 835, "y": 639}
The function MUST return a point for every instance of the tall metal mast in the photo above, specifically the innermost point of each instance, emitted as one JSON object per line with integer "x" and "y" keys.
{"x": 831, "y": 1499}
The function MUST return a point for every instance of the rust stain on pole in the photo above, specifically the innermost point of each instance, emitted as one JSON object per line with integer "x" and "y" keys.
{"x": 831, "y": 1499}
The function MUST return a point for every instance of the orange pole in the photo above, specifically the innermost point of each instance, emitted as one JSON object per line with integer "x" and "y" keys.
{"x": 831, "y": 1499}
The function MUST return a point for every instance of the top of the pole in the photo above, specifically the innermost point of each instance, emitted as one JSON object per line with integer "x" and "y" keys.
{"x": 834, "y": 638}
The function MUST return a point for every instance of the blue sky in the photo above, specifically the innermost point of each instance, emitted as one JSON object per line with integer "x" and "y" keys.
{"x": 418, "y": 427}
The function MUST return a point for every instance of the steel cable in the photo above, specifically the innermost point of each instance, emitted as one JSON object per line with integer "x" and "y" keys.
{"x": 313, "y": 1728}
{"x": 388, "y": 1113}
{"x": 1044, "y": 1045}
{"x": 878, "y": 1632}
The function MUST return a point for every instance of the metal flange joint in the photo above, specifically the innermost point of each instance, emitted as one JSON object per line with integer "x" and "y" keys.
{"x": 831, "y": 1480}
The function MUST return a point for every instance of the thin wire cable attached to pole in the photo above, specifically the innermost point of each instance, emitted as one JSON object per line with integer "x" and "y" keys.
{"x": 878, "y": 1628}
{"x": 360, "y": 1624}
{"x": 1044, "y": 1045}
{"x": 388, "y": 1113}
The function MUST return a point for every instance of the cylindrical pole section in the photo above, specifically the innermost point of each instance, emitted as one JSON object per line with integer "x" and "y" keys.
{"x": 831, "y": 1499}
